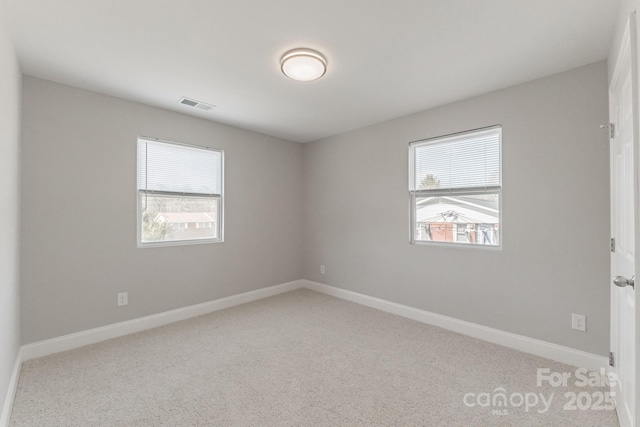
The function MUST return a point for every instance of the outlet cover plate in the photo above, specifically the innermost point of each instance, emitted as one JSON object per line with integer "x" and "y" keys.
{"x": 579, "y": 322}
{"x": 123, "y": 298}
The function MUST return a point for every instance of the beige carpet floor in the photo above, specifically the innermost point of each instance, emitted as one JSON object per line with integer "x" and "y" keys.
{"x": 298, "y": 359}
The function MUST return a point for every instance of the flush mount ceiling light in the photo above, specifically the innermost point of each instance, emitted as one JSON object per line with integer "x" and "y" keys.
{"x": 303, "y": 65}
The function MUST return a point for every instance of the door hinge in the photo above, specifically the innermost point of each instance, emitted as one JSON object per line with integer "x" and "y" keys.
{"x": 611, "y": 359}
{"x": 612, "y": 129}
{"x": 613, "y": 244}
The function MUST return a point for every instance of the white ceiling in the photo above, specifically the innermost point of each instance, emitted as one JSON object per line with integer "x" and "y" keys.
{"x": 386, "y": 58}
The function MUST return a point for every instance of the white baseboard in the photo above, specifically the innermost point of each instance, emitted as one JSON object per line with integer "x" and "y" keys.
{"x": 5, "y": 416}
{"x": 518, "y": 342}
{"x": 540, "y": 348}
{"x": 103, "y": 333}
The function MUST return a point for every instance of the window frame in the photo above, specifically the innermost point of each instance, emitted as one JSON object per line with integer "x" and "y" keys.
{"x": 218, "y": 197}
{"x": 459, "y": 192}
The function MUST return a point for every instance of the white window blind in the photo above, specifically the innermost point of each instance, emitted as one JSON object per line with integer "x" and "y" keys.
{"x": 470, "y": 160}
{"x": 173, "y": 168}
{"x": 180, "y": 188}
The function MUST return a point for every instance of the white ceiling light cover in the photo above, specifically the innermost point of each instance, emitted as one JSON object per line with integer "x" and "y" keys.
{"x": 303, "y": 65}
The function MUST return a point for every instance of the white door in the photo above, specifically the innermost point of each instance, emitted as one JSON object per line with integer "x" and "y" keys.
{"x": 623, "y": 110}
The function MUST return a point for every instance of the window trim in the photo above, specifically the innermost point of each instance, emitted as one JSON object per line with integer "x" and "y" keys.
{"x": 414, "y": 194}
{"x": 218, "y": 197}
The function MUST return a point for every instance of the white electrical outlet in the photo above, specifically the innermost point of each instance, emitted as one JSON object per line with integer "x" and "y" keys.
{"x": 123, "y": 298}
{"x": 579, "y": 322}
{"x": 322, "y": 269}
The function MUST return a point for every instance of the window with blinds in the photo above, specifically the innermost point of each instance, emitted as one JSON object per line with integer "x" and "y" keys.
{"x": 455, "y": 186}
{"x": 179, "y": 193}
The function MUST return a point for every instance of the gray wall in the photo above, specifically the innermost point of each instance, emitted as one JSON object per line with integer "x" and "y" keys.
{"x": 10, "y": 84}
{"x": 555, "y": 258}
{"x": 349, "y": 191}
{"x": 79, "y": 213}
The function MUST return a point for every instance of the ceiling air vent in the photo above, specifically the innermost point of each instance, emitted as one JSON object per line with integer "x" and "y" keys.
{"x": 196, "y": 104}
